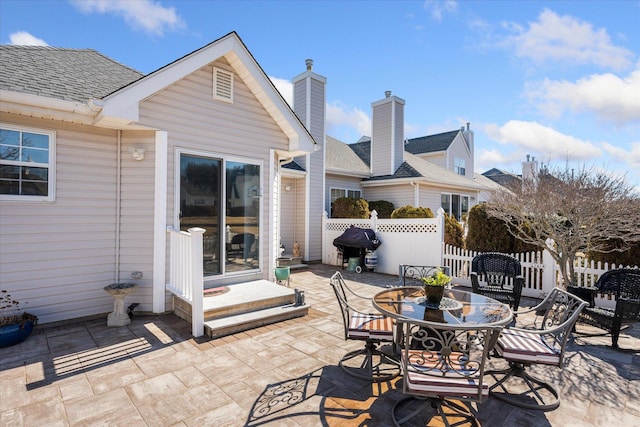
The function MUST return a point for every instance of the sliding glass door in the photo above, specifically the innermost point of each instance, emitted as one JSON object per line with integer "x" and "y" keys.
{"x": 222, "y": 197}
{"x": 200, "y": 179}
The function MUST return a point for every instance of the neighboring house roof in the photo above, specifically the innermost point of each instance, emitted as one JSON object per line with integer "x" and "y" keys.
{"x": 343, "y": 158}
{"x": 502, "y": 178}
{"x": 67, "y": 74}
{"x": 487, "y": 182}
{"x": 422, "y": 170}
{"x": 294, "y": 166}
{"x": 431, "y": 143}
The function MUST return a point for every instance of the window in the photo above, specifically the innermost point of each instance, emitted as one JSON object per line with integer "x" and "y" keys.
{"x": 336, "y": 193}
{"x": 459, "y": 166}
{"x": 455, "y": 205}
{"x": 26, "y": 164}
{"x": 222, "y": 85}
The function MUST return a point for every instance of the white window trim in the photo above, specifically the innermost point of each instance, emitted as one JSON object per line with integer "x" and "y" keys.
{"x": 346, "y": 191}
{"x": 51, "y": 196}
{"x": 228, "y": 77}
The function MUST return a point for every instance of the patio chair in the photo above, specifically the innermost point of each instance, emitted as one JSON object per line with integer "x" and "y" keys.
{"x": 442, "y": 365}
{"x": 368, "y": 363}
{"x": 543, "y": 345}
{"x": 624, "y": 285}
{"x": 241, "y": 244}
{"x": 497, "y": 276}
{"x": 411, "y": 275}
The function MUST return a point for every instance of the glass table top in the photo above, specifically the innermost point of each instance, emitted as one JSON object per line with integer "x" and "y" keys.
{"x": 457, "y": 307}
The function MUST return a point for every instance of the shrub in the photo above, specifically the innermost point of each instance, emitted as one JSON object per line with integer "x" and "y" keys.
{"x": 630, "y": 257}
{"x": 347, "y": 207}
{"x": 489, "y": 234}
{"x": 384, "y": 208}
{"x": 412, "y": 212}
{"x": 453, "y": 233}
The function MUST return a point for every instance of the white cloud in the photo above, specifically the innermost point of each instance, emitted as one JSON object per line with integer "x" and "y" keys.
{"x": 566, "y": 39}
{"x": 150, "y": 16}
{"x": 342, "y": 121}
{"x": 629, "y": 157}
{"x": 534, "y": 138}
{"x": 339, "y": 115}
{"x": 437, "y": 8}
{"x": 285, "y": 88}
{"x": 613, "y": 99}
{"x": 25, "y": 39}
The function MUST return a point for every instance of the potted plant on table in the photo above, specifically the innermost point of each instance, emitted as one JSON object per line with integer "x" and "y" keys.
{"x": 434, "y": 285}
{"x": 15, "y": 323}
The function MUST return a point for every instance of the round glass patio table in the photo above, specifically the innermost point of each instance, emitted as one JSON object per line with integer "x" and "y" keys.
{"x": 456, "y": 308}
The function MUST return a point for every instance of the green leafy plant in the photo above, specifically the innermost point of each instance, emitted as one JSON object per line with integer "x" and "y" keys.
{"x": 438, "y": 278}
{"x": 412, "y": 212}
{"x": 11, "y": 313}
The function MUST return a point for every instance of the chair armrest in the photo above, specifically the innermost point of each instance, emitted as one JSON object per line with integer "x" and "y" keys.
{"x": 586, "y": 294}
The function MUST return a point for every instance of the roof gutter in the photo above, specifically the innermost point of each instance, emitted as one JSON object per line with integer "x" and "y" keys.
{"x": 47, "y": 108}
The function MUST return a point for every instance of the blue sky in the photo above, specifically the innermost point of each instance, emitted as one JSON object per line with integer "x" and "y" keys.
{"x": 559, "y": 80}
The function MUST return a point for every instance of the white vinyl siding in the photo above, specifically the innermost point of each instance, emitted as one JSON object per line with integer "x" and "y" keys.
{"x": 399, "y": 195}
{"x": 195, "y": 122}
{"x": 381, "y": 159}
{"x": 459, "y": 157}
{"x": 57, "y": 257}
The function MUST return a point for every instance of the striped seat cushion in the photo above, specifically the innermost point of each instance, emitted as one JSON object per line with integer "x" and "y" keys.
{"x": 521, "y": 346}
{"x": 370, "y": 326}
{"x": 424, "y": 376}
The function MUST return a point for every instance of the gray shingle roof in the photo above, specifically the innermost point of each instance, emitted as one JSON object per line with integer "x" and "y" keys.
{"x": 293, "y": 165}
{"x": 60, "y": 73}
{"x": 342, "y": 156}
{"x": 416, "y": 167}
{"x": 431, "y": 143}
{"x": 501, "y": 177}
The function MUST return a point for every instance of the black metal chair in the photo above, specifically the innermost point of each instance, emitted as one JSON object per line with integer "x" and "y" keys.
{"x": 624, "y": 285}
{"x": 368, "y": 363}
{"x": 544, "y": 344}
{"x": 411, "y": 275}
{"x": 241, "y": 244}
{"x": 442, "y": 365}
{"x": 497, "y": 276}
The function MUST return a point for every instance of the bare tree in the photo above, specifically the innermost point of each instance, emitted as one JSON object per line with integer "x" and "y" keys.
{"x": 567, "y": 212}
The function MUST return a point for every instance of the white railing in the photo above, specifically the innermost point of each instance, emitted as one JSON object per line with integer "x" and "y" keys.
{"x": 186, "y": 273}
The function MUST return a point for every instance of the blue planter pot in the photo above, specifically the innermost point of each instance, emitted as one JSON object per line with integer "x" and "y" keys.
{"x": 15, "y": 334}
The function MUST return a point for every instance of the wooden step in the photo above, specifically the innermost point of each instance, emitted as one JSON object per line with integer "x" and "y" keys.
{"x": 243, "y": 306}
{"x": 242, "y": 322}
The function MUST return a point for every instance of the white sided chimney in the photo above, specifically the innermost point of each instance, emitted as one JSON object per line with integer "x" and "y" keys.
{"x": 387, "y": 135}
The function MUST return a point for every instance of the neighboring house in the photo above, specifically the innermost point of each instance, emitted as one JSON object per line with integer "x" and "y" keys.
{"x": 432, "y": 171}
{"x": 96, "y": 160}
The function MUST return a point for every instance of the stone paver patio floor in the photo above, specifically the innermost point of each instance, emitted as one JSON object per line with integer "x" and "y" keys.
{"x": 153, "y": 373}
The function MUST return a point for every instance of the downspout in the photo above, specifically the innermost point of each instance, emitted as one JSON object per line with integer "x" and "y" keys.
{"x": 416, "y": 193}
{"x": 118, "y": 202}
{"x": 276, "y": 245}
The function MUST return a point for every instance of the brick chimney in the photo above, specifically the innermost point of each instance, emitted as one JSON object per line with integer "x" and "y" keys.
{"x": 387, "y": 135}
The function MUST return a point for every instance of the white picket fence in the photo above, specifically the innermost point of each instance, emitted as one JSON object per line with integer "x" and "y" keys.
{"x": 419, "y": 241}
{"x": 541, "y": 272}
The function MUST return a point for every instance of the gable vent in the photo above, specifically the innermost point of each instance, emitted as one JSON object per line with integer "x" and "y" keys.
{"x": 222, "y": 85}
